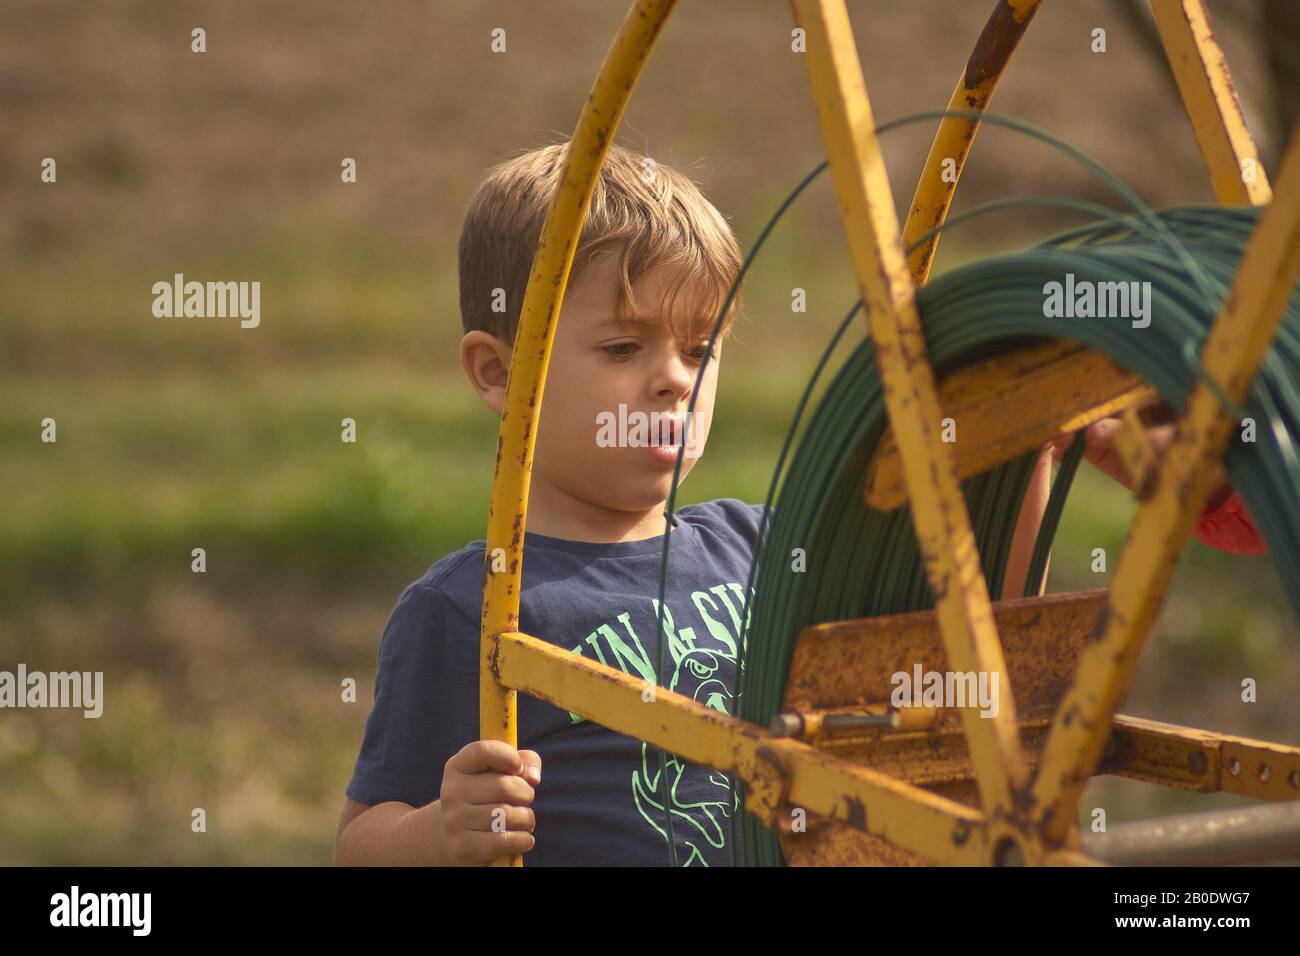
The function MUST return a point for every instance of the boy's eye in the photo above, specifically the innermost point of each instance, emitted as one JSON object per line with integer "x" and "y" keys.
{"x": 700, "y": 351}
{"x": 620, "y": 349}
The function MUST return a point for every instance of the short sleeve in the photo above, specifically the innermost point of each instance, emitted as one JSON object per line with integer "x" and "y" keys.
{"x": 426, "y": 701}
{"x": 756, "y": 515}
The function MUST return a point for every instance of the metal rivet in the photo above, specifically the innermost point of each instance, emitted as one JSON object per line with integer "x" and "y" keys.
{"x": 1234, "y": 767}
{"x": 1263, "y": 773}
{"x": 1294, "y": 779}
{"x": 1197, "y": 763}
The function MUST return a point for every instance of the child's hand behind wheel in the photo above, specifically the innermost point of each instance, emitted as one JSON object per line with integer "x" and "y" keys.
{"x": 1101, "y": 452}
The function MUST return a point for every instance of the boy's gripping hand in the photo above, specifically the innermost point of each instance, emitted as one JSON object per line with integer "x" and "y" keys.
{"x": 487, "y": 792}
{"x": 1100, "y": 450}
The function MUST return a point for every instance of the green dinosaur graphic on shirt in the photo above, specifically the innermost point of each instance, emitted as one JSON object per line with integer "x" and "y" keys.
{"x": 702, "y": 665}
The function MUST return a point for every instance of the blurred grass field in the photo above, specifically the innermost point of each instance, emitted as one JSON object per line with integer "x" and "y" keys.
{"x": 223, "y": 688}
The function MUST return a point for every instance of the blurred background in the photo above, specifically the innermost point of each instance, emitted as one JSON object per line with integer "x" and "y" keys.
{"x": 223, "y": 689}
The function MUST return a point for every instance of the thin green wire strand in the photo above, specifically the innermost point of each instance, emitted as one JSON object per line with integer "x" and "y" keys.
{"x": 1052, "y": 516}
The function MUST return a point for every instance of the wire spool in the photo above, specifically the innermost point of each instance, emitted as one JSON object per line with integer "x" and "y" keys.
{"x": 862, "y": 562}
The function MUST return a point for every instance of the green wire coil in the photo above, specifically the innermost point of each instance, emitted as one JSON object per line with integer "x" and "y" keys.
{"x": 861, "y": 562}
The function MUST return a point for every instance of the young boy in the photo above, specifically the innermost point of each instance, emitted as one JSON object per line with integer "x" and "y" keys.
{"x": 651, "y": 272}
{"x": 652, "y": 269}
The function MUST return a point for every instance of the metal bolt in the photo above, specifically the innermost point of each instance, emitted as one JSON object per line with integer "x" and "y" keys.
{"x": 787, "y": 724}
{"x": 859, "y": 721}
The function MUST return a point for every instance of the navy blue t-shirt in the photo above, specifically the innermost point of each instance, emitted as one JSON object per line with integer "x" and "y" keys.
{"x": 599, "y": 802}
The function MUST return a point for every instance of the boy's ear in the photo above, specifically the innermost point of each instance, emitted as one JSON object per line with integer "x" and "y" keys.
{"x": 486, "y": 360}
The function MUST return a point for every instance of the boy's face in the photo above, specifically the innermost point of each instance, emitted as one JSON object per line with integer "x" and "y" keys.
{"x": 589, "y": 448}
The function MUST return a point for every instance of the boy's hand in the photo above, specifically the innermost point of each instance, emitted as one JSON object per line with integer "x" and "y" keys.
{"x": 483, "y": 778}
{"x": 1100, "y": 450}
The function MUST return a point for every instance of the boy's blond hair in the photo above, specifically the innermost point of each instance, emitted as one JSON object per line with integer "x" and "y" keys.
{"x": 646, "y": 214}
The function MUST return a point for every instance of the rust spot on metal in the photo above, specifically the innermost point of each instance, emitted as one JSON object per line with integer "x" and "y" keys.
{"x": 1049, "y": 814}
{"x": 855, "y": 814}
{"x": 996, "y": 44}
{"x": 1023, "y": 803}
{"x": 1110, "y": 749}
{"x": 1098, "y": 630}
{"x": 1148, "y": 486}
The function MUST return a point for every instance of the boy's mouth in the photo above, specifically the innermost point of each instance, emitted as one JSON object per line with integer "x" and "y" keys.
{"x": 669, "y": 433}
{"x": 662, "y": 435}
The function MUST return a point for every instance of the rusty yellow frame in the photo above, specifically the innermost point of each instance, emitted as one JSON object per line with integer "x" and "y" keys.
{"x": 1022, "y": 817}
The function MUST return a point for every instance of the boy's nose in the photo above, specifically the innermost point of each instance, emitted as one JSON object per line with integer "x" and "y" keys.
{"x": 674, "y": 378}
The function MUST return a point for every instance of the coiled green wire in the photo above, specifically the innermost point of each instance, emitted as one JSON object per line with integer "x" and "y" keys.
{"x": 862, "y": 562}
